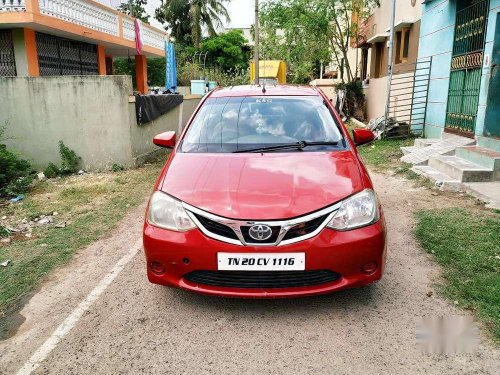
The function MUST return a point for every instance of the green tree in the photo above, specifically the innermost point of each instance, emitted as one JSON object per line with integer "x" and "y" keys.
{"x": 156, "y": 70}
{"x": 198, "y": 14}
{"x": 175, "y": 13}
{"x": 135, "y": 8}
{"x": 229, "y": 51}
{"x": 304, "y": 32}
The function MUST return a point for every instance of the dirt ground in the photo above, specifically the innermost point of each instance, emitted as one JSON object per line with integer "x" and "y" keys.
{"x": 136, "y": 327}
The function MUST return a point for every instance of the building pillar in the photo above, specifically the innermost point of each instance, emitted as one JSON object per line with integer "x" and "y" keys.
{"x": 141, "y": 74}
{"x": 101, "y": 59}
{"x": 32, "y": 6}
{"x": 31, "y": 52}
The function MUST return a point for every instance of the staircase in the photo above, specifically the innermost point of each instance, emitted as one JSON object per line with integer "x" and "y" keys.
{"x": 459, "y": 164}
{"x": 424, "y": 149}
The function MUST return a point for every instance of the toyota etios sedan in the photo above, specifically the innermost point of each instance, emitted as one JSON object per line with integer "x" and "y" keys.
{"x": 264, "y": 195}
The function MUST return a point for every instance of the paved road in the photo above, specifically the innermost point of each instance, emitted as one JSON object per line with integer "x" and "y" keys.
{"x": 134, "y": 327}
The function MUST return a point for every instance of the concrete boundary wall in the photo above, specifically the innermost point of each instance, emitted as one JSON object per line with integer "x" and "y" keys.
{"x": 93, "y": 115}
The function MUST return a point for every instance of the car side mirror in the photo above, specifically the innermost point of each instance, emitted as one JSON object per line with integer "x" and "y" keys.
{"x": 362, "y": 136}
{"x": 166, "y": 139}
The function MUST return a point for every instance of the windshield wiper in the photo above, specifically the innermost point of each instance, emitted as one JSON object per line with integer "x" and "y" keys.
{"x": 288, "y": 146}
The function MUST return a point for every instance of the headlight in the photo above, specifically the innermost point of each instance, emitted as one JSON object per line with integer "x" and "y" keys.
{"x": 356, "y": 211}
{"x": 168, "y": 213}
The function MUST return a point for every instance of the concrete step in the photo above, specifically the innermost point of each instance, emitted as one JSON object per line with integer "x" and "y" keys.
{"x": 408, "y": 149}
{"x": 441, "y": 180}
{"x": 424, "y": 142}
{"x": 488, "y": 192}
{"x": 460, "y": 169}
{"x": 479, "y": 155}
{"x": 445, "y": 146}
{"x": 489, "y": 142}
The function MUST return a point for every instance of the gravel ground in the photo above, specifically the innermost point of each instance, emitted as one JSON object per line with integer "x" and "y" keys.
{"x": 136, "y": 327}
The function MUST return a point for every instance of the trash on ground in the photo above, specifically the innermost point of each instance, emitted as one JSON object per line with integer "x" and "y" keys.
{"x": 6, "y": 263}
{"x": 17, "y": 199}
{"x": 44, "y": 220}
{"x": 41, "y": 176}
{"x": 388, "y": 128}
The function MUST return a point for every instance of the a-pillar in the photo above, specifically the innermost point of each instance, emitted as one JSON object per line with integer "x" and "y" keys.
{"x": 141, "y": 74}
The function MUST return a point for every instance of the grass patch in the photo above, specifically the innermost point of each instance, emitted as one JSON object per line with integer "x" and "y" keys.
{"x": 465, "y": 243}
{"x": 383, "y": 155}
{"x": 91, "y": 205}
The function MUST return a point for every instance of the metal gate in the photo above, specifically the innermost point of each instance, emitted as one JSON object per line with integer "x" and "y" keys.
{"x": 7, "y": 60}
{"x": 60, "y": 56}
{"x": 408, "y": 96}
{"x": 466, "y": 64}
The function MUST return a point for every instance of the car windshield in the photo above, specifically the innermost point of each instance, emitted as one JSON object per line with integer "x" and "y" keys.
{"x": 232, "y": 124}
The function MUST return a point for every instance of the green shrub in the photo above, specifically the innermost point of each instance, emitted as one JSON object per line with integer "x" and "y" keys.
{"x": 117, "y": 167}
{"x": 355, "y": 99}
{"x": 70, "y": 160}
{"x": 16, "y": 174}
{"x": 52, "y": 171}
{"x": 4, "y": 232}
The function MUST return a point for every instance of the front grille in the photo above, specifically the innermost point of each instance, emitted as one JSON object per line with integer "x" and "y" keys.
{"x": 304, "y": 228}
{"x": 216, "y": 228}
{"x": 262, "y": 279}
{"x": 270, "y": 240}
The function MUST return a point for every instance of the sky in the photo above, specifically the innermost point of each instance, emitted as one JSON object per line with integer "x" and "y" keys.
{"x": 240, "y": 11}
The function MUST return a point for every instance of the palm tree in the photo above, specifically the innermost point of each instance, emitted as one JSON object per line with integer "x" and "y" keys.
{"x": 206, "y": 13}
{"x": 198, "y": 14}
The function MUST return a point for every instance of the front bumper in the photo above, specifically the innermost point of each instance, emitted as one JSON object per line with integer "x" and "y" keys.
{"x": 342, "y": 252}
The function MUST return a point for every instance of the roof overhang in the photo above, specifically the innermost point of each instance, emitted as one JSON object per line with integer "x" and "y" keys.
{"x": 114, "y": 45}
{"x": 377, "y": 38}
{"x": 401, "y": 24}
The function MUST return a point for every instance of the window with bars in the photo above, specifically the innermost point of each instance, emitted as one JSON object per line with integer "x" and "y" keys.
{"x": 61, "y": 56}
{"x": 7, "y": 60}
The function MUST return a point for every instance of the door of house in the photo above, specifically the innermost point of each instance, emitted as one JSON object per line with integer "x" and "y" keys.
{"x": 492, "y": 120}
{"x": 466, "y": 66}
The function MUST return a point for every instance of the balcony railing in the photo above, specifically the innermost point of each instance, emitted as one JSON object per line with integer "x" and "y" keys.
{"x": 83, "y": 13}
{"x": 12, "y": 5}
{"x": 92, "y": 15}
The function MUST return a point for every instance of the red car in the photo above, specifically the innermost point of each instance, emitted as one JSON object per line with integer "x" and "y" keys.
{"x": 264, "y": 195}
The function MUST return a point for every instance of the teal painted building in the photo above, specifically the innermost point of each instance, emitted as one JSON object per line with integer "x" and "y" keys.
{"x": 463, "y": 39}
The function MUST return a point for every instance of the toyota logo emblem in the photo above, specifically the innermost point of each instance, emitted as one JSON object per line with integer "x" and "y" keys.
{"x": 260, "y": 232}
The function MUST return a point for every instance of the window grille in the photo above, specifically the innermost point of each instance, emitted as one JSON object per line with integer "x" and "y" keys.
{"x": 61, "y": 56}
{"x": 7, "y": 60}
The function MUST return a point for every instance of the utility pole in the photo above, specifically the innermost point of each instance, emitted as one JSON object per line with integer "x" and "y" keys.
{"x": 256, "y": 47}
{"x": 389, "y": 60}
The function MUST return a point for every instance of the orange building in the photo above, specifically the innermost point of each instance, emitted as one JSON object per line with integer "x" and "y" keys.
{"x": 71, "y": 37}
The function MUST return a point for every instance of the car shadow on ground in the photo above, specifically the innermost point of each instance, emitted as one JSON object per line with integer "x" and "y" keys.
{"x": 347, "y": 300}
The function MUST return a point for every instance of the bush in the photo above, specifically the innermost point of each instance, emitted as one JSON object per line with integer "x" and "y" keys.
{"x": 355, "y": 99}
{"x": 188, "y": 71}
{"x": 52, "y": 171}
{"x": 70, "y": 160}
{"x": 70, "y": 163}
{"x": 16, "y": 174}
{"x": 117, "y": 167}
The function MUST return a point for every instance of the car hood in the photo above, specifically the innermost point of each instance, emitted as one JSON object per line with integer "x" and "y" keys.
{"x": 267, "y": 186}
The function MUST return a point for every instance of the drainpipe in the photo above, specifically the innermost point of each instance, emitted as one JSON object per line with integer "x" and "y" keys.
{"x": 389, "y": 59}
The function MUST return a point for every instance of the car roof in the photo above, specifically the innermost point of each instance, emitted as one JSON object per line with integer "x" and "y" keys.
{"x": 270, "y": 90}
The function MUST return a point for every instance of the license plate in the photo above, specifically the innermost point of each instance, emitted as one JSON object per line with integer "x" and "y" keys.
{"x": 261, "y": 262}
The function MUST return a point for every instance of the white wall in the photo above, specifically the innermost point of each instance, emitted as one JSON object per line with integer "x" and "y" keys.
{"x": 90, "y": 114}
